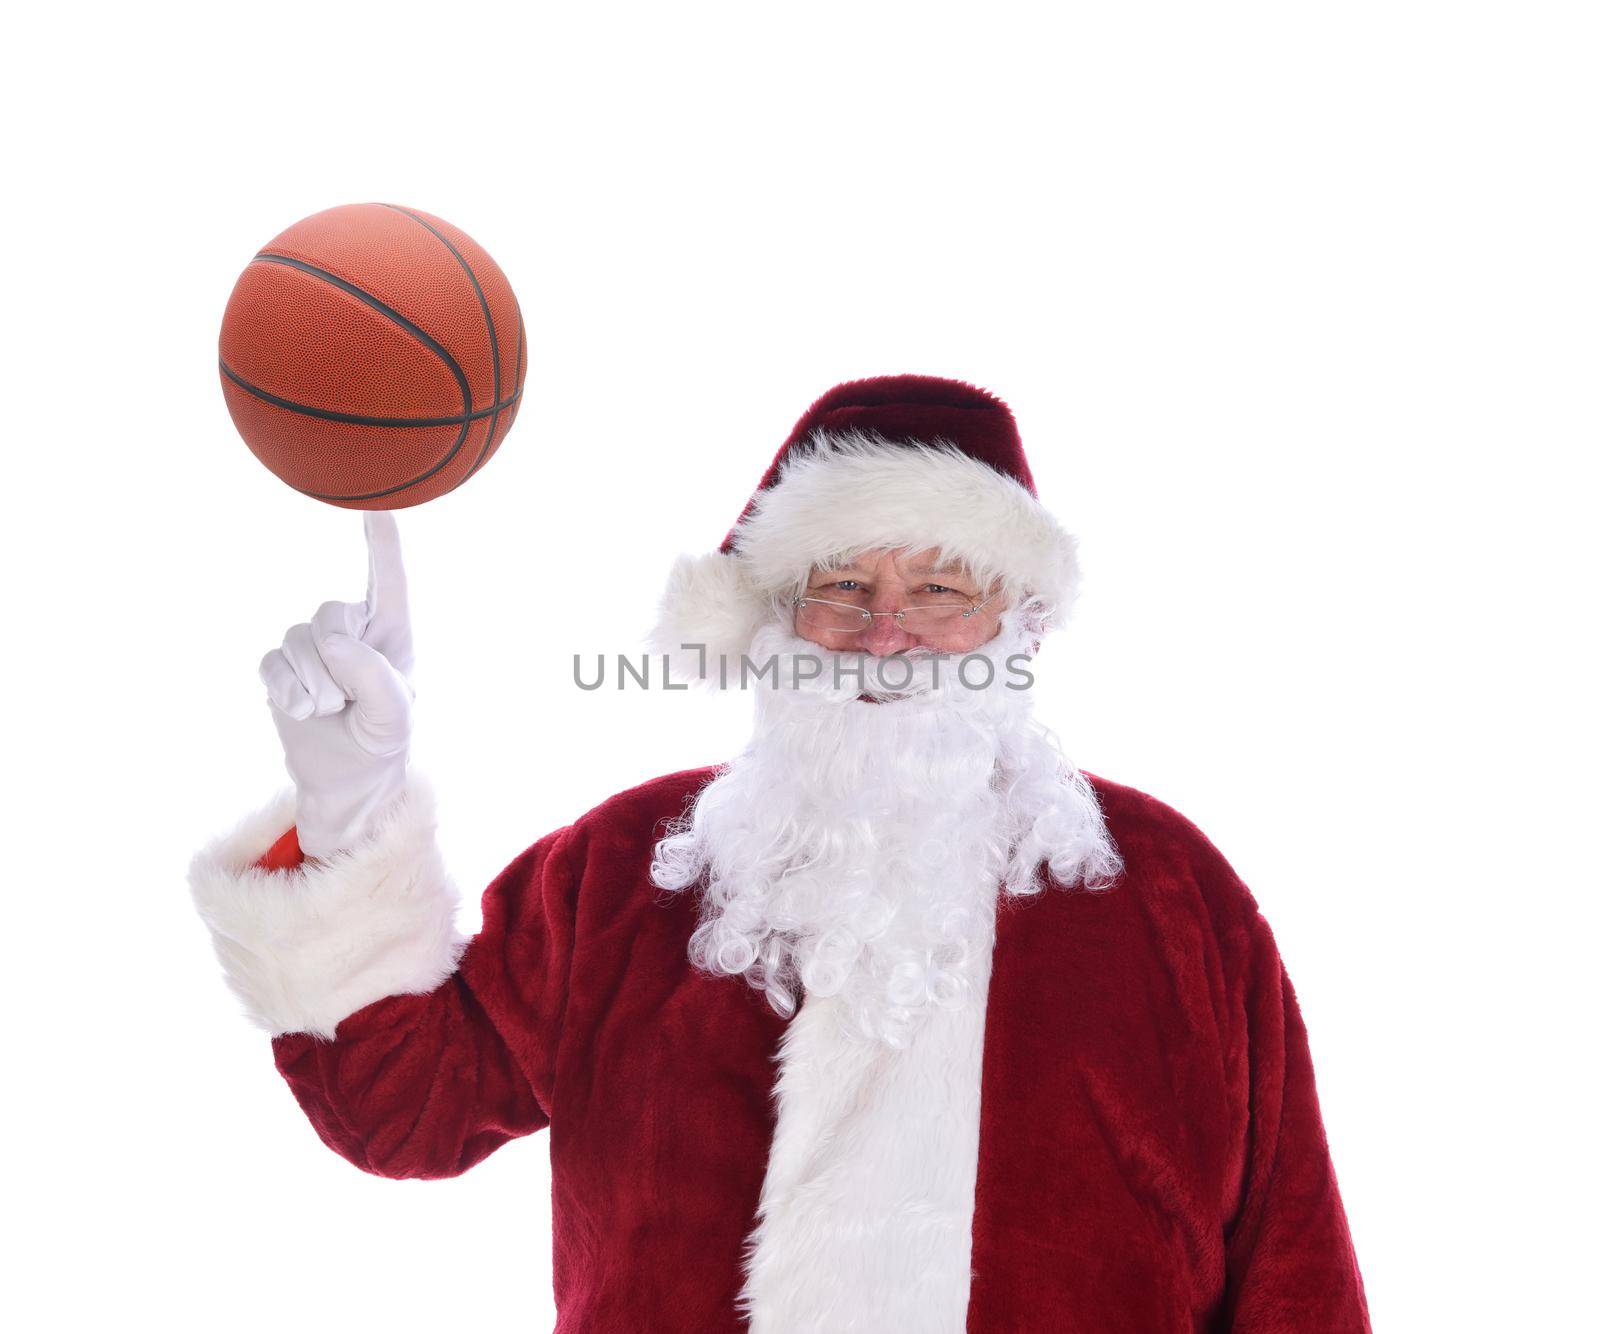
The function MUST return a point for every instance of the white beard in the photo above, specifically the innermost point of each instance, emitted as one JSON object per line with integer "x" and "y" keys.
{"x": 855, "y": 849}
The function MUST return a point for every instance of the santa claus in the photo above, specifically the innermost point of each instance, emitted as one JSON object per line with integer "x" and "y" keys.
{"x": 897, "y": 1022}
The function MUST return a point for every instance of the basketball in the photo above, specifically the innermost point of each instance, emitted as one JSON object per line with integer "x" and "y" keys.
{"x": 372, "y": 356}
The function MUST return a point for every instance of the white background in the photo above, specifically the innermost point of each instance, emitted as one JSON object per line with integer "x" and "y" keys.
{"x": 1296, "y": 306}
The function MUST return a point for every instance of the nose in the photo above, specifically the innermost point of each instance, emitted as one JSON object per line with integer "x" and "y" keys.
{"x": 885, "y": 636}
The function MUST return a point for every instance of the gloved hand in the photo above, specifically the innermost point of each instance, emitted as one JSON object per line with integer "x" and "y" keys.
{"x": 340, "y": 694}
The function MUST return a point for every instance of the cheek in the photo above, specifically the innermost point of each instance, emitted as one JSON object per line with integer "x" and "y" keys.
{"x": 836, "y": 641}
{"x": 973, "y": 634}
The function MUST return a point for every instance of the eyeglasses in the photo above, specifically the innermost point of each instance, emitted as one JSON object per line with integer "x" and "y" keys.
{"x": 930, "y": 618}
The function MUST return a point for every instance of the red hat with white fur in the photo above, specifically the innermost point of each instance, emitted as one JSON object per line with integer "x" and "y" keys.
{"x": 897, "y": 461}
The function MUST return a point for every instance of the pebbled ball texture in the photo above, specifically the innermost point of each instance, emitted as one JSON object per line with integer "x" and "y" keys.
{"x": 372, "y": 356}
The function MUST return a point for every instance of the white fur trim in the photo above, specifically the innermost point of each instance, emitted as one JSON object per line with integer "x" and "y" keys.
{"x": 308, "y": 947}
{"x": 865, "y": 1219}
{"x": 853, "y": 492}
{"x": 842, "y": 494}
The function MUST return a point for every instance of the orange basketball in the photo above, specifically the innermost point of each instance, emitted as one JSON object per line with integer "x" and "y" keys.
{"x": 372, "y": 356}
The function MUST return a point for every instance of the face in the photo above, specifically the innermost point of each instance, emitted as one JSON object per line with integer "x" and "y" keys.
{"x": 892, "y": 580}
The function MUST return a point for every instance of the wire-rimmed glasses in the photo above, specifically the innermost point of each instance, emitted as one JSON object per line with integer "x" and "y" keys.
{"x": 926, "y": 619}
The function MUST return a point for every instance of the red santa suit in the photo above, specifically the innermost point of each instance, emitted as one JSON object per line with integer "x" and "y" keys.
{"x": 1122, "y": 1134}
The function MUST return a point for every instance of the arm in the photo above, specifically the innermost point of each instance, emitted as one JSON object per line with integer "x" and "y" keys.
{"x": 1290, "y": 1263}
{"x": 413, "y": 1051}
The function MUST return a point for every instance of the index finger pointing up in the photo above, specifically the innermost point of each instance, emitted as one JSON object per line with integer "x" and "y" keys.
{"x": 388, "y": 614}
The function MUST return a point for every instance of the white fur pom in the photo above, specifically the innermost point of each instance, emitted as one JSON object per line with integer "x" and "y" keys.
{"x": 308, "y": 947}
{"x": 710, "y": 610}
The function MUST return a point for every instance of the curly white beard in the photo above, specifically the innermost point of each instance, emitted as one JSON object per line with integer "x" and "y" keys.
{"x": 855, "y": 848}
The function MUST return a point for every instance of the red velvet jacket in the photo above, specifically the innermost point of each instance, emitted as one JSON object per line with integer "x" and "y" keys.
{"x": 1151, "y": 1154}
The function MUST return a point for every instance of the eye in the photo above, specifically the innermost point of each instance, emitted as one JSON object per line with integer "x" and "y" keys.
{"x": 941, "y": 588}
{"x": 847, "y": 585}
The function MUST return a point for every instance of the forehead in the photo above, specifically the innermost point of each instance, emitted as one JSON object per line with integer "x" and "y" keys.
{"x": 915, "y": 564}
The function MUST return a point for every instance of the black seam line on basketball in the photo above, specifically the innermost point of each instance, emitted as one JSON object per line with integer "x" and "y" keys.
{"x": 488, "y": 320}
{"x": 432, "y": 344}
{"x": 388, "y": 312}
{"x": 515, "y": 395}
{"x": 516, "y": 379}
{"x": 356, "y": 418}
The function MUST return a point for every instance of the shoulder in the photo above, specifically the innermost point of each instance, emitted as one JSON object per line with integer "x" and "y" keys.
{"x": 631, "y": 821}
{"x": 606, "y": 850}
{"x": 1147, "y": 823}
{"x": 1165, "y": 855}
{"x": 651, "y": 803}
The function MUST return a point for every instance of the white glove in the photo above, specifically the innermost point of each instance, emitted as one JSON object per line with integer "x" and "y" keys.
{"x": 340, "y": 694}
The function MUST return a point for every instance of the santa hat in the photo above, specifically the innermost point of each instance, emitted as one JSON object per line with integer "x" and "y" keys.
{"x": 897, "y": 461}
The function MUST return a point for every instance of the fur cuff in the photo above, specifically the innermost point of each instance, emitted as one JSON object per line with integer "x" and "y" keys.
{"x": 306, "y": 948}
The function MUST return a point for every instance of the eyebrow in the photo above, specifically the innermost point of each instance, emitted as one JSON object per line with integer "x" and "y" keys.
{"x": 921, "y": 568}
